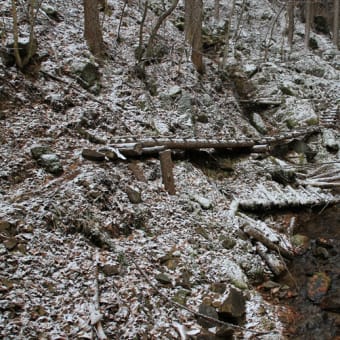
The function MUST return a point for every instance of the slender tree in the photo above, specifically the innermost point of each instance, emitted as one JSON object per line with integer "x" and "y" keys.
{"x": 193, "y": 31}
{"x": 227, "y": 36}
{"x": 290, "y": 14}
{"x": 217, "y": 10}
{"x": 336, "y": 23}
{"x": 92, "y": 28}
{"x": 308, "y": 22}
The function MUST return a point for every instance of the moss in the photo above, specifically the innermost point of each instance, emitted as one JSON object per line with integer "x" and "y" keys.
{"x": 312, "y": 121}
{"x": 286, "y": 91}
{"x": 291, "y": 123}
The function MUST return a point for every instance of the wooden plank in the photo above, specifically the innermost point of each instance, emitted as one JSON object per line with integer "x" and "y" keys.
{"x": 167, "y": 171}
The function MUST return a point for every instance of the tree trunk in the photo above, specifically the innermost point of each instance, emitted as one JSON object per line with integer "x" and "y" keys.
{"x": 217, "y": 10}
{"x": 193, "y": 31}
{"x": 92, "y": 28}
{"x": 290, "y": 13}
{"x": 336, "y": 23}
{"x": 227, "y": 36}
{"x": 308, "y": 23}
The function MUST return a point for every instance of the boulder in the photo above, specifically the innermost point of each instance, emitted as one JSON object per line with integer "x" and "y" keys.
{"x": 233, "y": 304}
{"x": 317, "y": 286}
{"x": 209, "y": 311}
{"x": 51, "y": 163}
{"x": 38, "y": 150}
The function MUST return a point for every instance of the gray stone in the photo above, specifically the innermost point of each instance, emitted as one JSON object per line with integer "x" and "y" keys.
{"x": 93, "y": 155}
{"x": 233, "y": 304}
{"x": 330, "y": 141}
{"x": 88, "y": 73}
{"x": 174, "y": 91}
{"x": 209, "y": 311}
{"x": 205, "y": 203}
{"x": 110, "y": 269}
{"x": 258, "y": 123}
{"x": 38, "y": 150}
{"x": 135, "y": 195}
{"x": 51, "y": 163}
{"x": 185, "y": 103}
{"x": 163, "y": 278}
{"x": 228, "y": 242}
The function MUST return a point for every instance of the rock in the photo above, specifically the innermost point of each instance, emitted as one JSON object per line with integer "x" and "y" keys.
{"x": 47, "y": 159}
{"x": 235, "y": 274}
{"x": 7, "y": 228}
{"x": 228, "y": 242}
{"x": 161, "y": 127}
{"x": 52, "y": 13}
{"x": 110, "y": 269}
{"x": 38, "y": 150}
{"x": 174, "y": 91}
{"x": 202, "y": 201}
{"x": 330, "y": 141}
{"x": 134, "y": 194}
{"x": 331, "y": 302}
{"x": 233, "y": 304}
{"x": 218, "y": 287}
{"x": 321, "y": 252}
{"x": 201, "y": 117}
{"x": 51, "y": 163}
{"x": 24, "y": 47}
{"x": 209, "y": 311}
{"x": 88, "y": 73}
{"x": 300, "y": 243}
{"x": 224, "y": 332}
{"x": 184, "y": 279}
{"x": 181, "y": 296}
{"x": 11, "y": 243}
{"x": 185, "y": 103}
{"x": 258, "y": 123}
{"x": 93, "y": 155}
{"x": 283, "y": 176}
{"x": 317, "y": 286}
{"x": 163, "y": 278}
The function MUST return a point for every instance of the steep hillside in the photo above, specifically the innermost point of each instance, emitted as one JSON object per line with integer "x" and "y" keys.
{"x": 93, "y": 247}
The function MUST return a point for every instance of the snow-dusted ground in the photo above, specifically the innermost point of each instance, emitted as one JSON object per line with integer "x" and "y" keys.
{"x": 48, "y": 278}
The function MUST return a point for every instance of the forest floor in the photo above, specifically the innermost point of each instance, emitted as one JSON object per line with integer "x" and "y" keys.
{"x": 99, "y": 247}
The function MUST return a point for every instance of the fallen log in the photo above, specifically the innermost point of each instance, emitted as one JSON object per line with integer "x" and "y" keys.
{"x": 256, "y": 234}
{"x": 274, "y": 263}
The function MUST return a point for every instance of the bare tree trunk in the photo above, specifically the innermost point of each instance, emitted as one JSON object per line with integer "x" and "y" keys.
{"x": 92, "y": 28}
{"x": 308, "y": 22}
{"x": 160, "y": 20}
{"x": 18, "y": 59}
{"x": 227, "y": 36}
{"x": 217, "y": 10}
{"x": 290, "y": 14}
{"x": 193, "y": 31}
{"x": 336, "y": 23}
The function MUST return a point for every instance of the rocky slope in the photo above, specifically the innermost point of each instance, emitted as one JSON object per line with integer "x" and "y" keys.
{"x": 88, "y": 244}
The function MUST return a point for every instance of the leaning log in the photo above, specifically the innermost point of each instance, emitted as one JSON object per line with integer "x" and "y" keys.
{"x": 256, "y": 234}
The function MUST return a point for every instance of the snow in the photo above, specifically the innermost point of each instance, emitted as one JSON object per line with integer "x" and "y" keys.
{"x": 53, "y": 278}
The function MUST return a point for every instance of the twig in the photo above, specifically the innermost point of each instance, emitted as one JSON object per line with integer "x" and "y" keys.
{"x": 99, "y": 328}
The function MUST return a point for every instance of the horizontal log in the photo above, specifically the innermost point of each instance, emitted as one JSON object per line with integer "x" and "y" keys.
{"x": 192, "y": 143}
{"x": 267, "y": 205}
